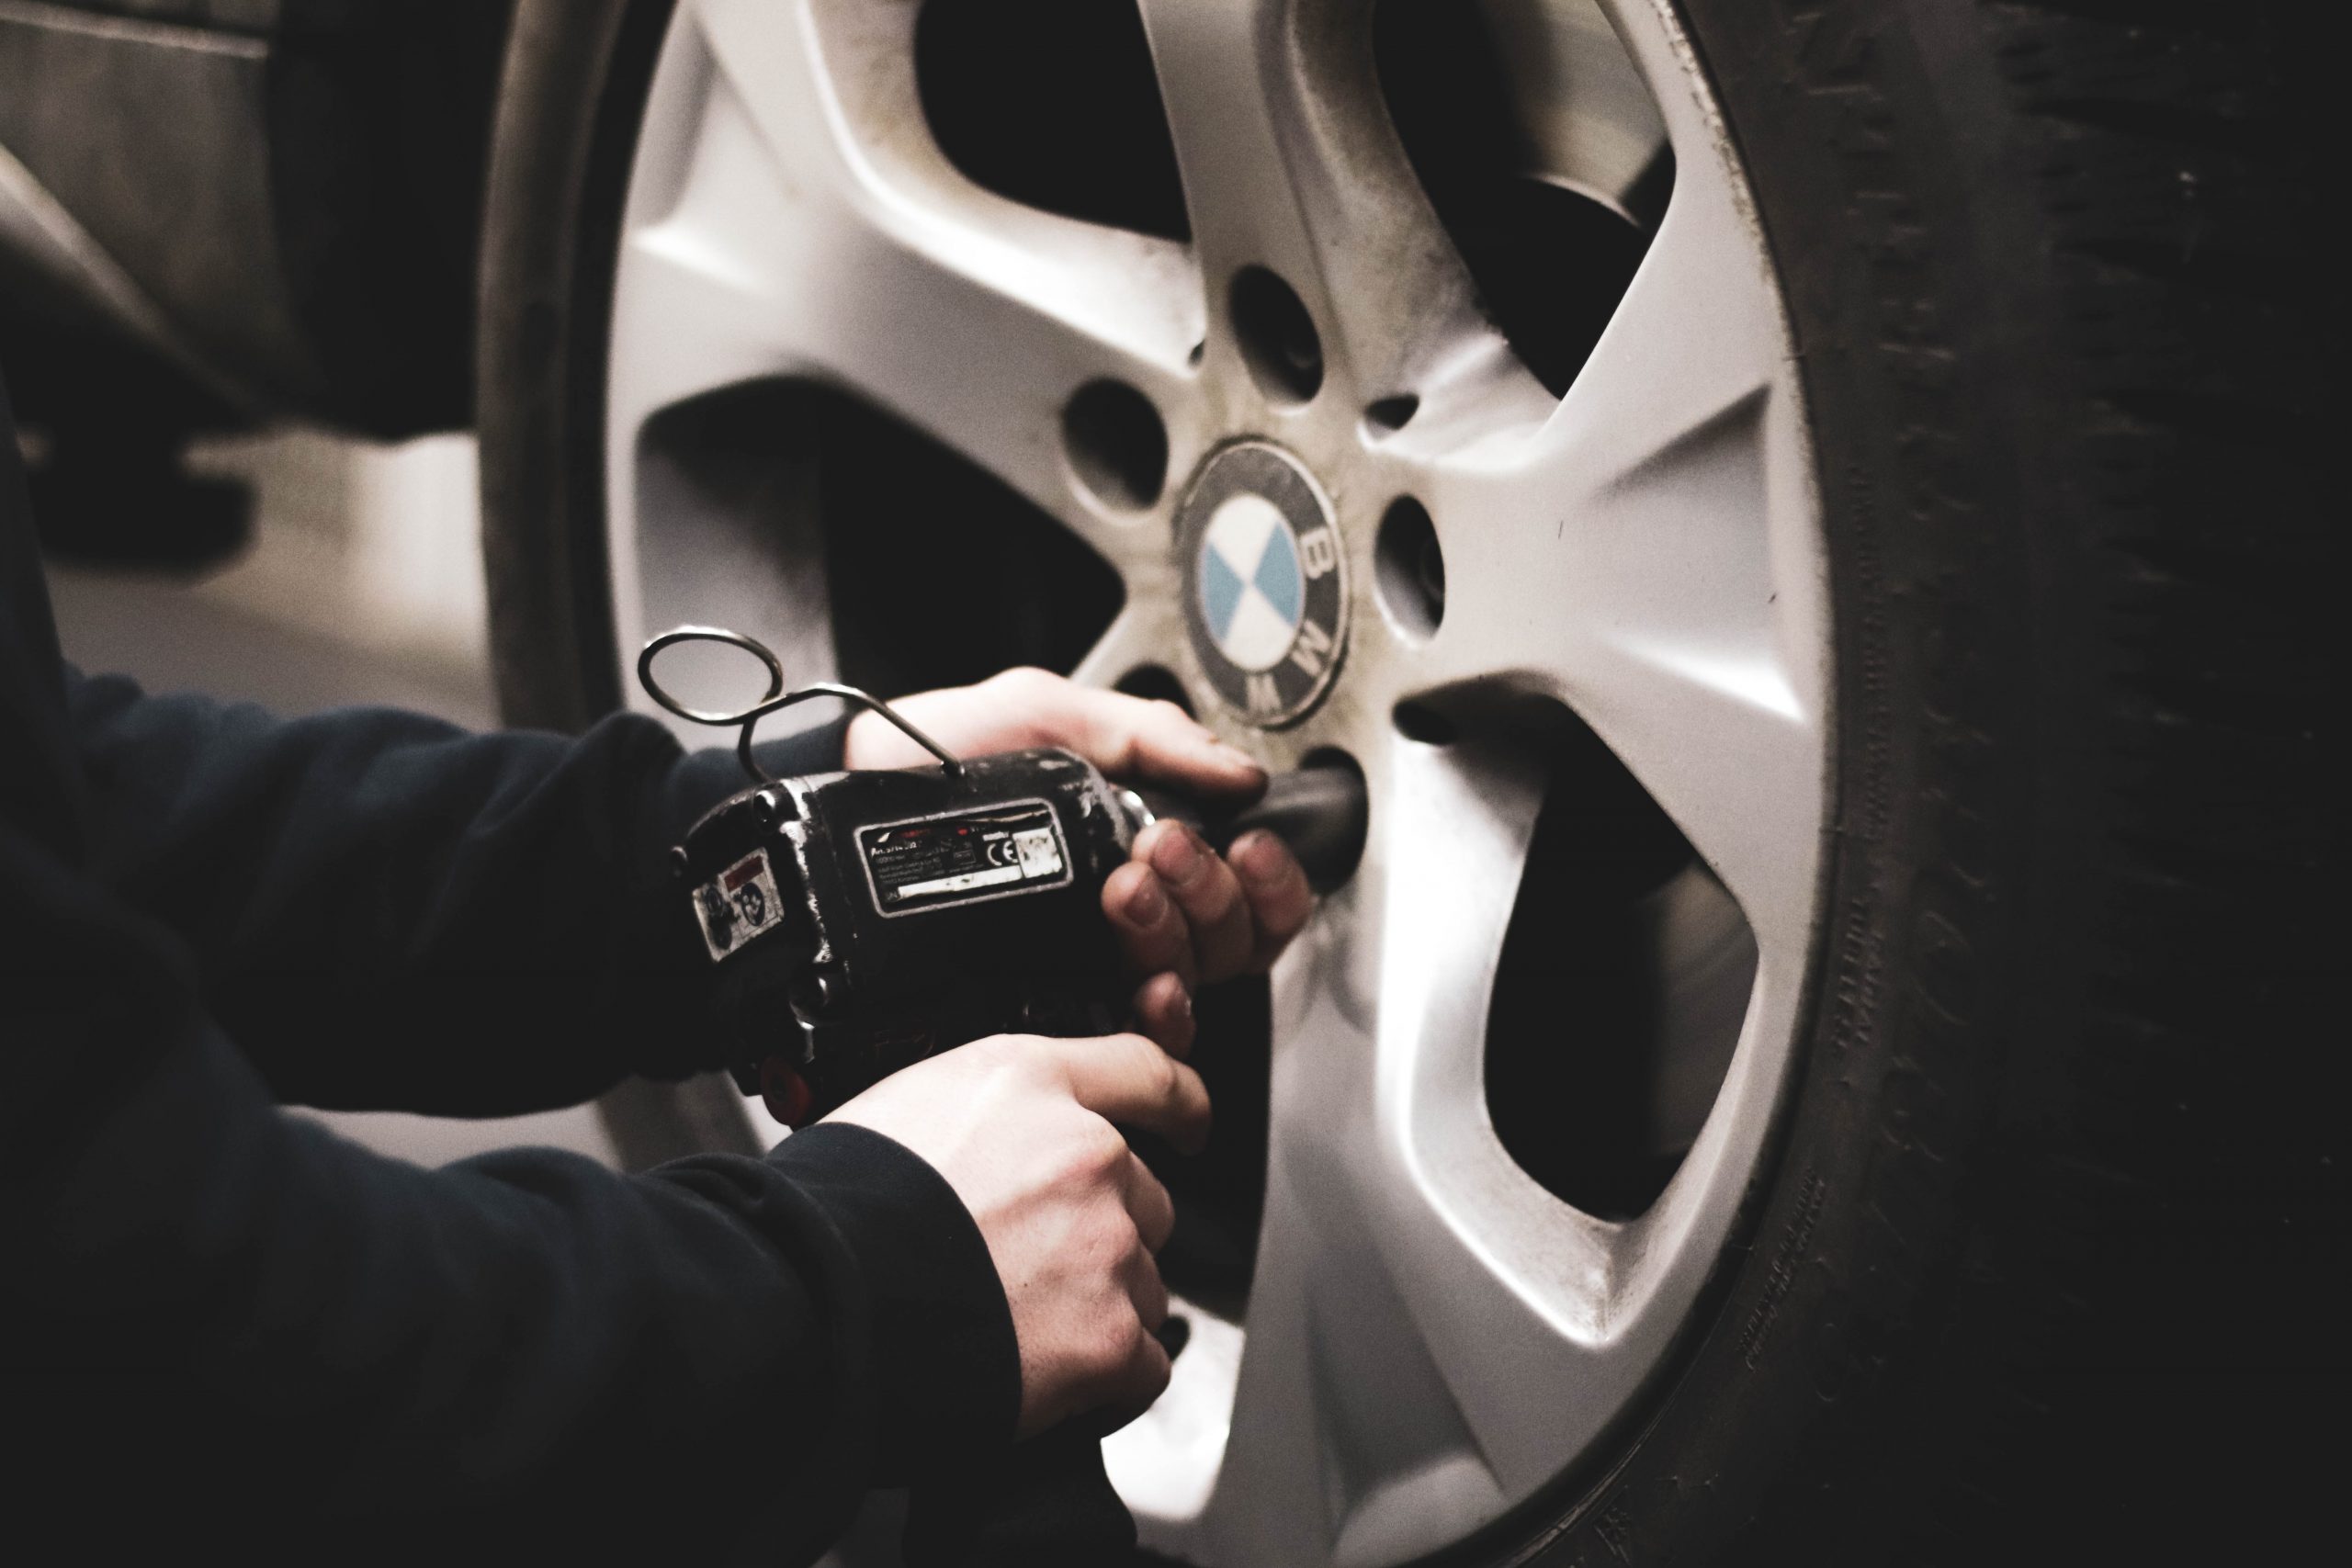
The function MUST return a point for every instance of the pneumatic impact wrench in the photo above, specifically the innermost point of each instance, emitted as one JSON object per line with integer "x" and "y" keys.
{"x": 859, "y": 922}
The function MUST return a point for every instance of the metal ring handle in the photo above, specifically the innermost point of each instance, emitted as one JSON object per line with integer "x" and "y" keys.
{"x": 776, "y": 699}
{"x": 751, "y": 645}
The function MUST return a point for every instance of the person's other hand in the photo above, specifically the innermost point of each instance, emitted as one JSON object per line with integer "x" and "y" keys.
{"x": 1185, "y": 916}
{"x": 1022, "y": 1128}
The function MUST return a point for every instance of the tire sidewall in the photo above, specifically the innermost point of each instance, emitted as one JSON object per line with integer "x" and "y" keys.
{"x": 1920, "y": 1242}
{"x": 571, "y": 101}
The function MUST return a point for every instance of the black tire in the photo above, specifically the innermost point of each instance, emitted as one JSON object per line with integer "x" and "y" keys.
{"x": 2052, "y": 274}
{"x": 2041, "y": 1268}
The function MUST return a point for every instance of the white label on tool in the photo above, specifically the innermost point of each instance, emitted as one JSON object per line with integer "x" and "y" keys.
{"x": 989, "y": 852}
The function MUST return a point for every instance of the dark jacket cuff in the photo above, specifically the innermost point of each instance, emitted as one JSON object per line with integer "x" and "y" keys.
{"x": 947, "y": 1368}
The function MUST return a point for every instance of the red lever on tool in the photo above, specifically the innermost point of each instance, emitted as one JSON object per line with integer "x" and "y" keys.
{"x": 790, "y": 1098}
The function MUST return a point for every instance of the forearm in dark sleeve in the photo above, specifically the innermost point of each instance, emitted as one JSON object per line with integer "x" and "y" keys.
{"x": 387, "y": 912}
{"x": 203, "y": 1293}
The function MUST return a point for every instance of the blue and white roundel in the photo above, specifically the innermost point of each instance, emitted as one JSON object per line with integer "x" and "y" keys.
{"x": 1267, "y": 599}
{"x": 1251, "y": 591}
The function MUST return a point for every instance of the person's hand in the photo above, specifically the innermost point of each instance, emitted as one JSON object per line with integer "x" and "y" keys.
{"x": 1185, "y": 917}
{"x": 1022, "y": 1128}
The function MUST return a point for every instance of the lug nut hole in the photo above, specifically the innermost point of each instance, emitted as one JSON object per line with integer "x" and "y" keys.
{"x": 1410, "y": 568}
{"x": 1116, "y": 443}
{"x": 1418, "y": 721}
{"x": 1277, "y": 337}
{"x": 1157, "y": 682}
{"x": 1389, "y": 415}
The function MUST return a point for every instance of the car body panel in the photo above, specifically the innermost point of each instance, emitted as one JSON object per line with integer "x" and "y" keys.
{"x": 272, "y": 205}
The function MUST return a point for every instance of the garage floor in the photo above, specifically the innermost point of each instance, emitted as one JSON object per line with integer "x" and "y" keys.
{"x": 362, "y": 586}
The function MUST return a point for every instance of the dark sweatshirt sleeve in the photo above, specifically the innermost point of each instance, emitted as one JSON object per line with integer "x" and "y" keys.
{"x": 223, "y": 1328}
{"x": 212, "y": 1308}
{"x": 386, "y": 912}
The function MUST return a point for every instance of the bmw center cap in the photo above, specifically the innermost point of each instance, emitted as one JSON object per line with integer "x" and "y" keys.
{"x": 1267, "y": 597}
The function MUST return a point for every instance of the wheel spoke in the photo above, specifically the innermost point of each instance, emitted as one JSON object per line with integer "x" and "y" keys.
{"x": 1343, "y": 1413}
{"x": 805, "y": 233}
{"x": 1289, "y": 163}
{"x": 1429, "y": 1330}
{"x": 1149, "y": 629}
{"x": 1647, "y": 557}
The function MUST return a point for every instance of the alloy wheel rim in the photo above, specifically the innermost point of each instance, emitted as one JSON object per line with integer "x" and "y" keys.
{"x": 1431, "y": 1337}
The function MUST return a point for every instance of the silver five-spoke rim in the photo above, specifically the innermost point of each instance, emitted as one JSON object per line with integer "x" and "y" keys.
{"x": 1431, "y": 1337}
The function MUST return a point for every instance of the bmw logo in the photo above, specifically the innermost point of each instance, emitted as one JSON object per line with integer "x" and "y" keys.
{"x": 1267, "y": 598}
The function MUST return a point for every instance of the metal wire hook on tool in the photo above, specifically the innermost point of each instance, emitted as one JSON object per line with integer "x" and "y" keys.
{"x": 776, "y": 698}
